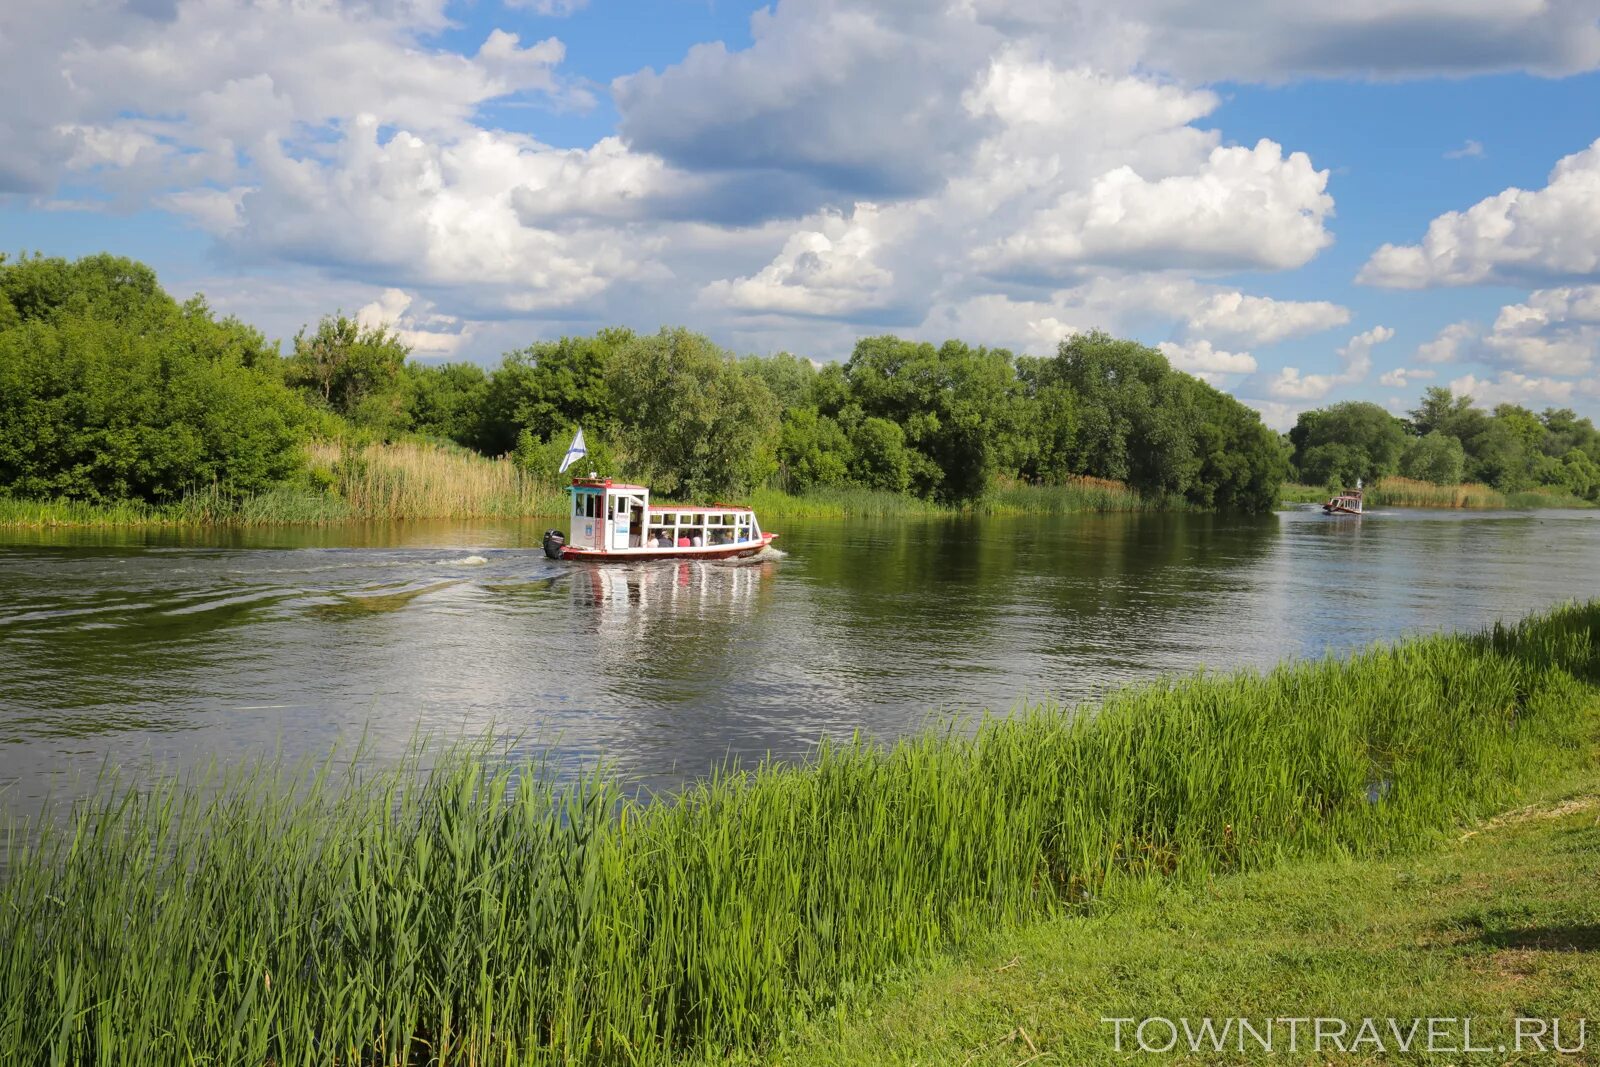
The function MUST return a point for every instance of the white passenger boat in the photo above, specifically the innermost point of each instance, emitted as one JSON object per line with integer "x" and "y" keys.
{"x": 1346, "y": 502}
{"x": 614, "y": 522}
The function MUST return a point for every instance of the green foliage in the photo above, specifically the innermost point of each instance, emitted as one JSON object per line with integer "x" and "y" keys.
{"x": 448, "y": 400}
{"x": 692, "y": 423}
{"x": 1347, "y": 441}
{"x": 549, "y": 386}
{"x": 1434, "y": 457}
{"x": 812, "y": 451}
{"x": 356, "y": 371}
{"x": 1451, "y": 441}
{"x": 1129, "y": 416}
{"x": 100, "y": 408}
{"x": 109, "y": 391}
{"x": 879, "y": 457}
{"x": 460, "y": 909}
{"x": 1579, "y": 475}
{"x": 542, "y": 459}
{"x": 791, "y": 378}
{"x": 956, "y": 405}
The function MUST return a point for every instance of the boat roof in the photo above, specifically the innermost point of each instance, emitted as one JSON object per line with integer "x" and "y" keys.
{"x": 605, "y": 483}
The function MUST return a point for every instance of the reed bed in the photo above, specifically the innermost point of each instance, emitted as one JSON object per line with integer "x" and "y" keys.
{"x": 475, "y": 913}
{"x": 840, "y": 502}
{"x": 412, "y": 480}
{"x": 1411, "y": 493}
{"x": 1074, "y": 495}
{"x": 201, "y": 508}
{"x": 1300, "y": 493}
{"x": 1546, "y": 497}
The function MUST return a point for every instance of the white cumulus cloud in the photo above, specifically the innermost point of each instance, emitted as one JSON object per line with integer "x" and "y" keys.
{"x": 1355, "y": 359}
{"x": 1204, "y": 361}
{"x": 1242, "y": 208}
{"x": 1404, "y": 377}
{"x": 1514, "y": 236}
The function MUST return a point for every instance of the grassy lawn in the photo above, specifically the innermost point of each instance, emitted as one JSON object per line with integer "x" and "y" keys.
{"x": 1501, "y": 922}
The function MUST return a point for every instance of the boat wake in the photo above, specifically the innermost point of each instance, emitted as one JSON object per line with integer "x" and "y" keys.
{"x": 465, "y": 561}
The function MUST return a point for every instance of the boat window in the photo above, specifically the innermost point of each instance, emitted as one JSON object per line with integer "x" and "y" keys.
{"x": 577, "y": 505}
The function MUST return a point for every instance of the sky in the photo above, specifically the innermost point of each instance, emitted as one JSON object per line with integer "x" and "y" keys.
{"x": 1300, "y": 203}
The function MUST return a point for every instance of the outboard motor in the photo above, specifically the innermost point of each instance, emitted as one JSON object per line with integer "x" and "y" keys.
{"x": 554, "y": 542}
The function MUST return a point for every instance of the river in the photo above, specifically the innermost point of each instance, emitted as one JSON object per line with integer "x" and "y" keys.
{"x": 164, "y": 649}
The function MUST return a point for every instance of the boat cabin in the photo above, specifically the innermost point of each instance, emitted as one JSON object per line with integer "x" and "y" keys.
{"x": 612, "y": 517}
{"x": 1346, "y": 502}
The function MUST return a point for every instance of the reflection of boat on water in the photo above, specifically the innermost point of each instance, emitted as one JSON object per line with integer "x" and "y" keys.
{"x": 613, "y": 522}
{"x": 1345, "y": 502}
{"x": 662, "y": 590}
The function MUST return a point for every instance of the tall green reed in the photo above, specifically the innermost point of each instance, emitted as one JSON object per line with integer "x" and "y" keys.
{"x": 470, "y": 911}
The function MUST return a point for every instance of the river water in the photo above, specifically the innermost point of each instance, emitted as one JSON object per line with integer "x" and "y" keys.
{"x": 165, "y": 649}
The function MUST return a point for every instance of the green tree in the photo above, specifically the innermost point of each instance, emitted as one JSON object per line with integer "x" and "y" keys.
{"x": 355, "y": 371}
{"x": 791, "y": 378}
{"x": 1345, "y": 441}
{"x": 957, "y": 406}
{"x": 1052, "y": 411}
{"x": 692, "y": 423}
{"x": 1580, "y": 475}
{"x": 549, "y": 386}
{"x": 1434, "y": 457}
{"x": 448, "y": 401}
{"x": 111, "y": 391}
{"x": 812, "y": 450}
{"x": 879, "y": 457}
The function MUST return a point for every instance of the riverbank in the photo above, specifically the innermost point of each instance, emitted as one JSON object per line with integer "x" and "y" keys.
{"x": 1409, "y": 493}
{"x": 1499, "y": 922}
{"x": 487, "y": 915}
{"x": 418, "y": 480}
{"x": 341, "y": 483}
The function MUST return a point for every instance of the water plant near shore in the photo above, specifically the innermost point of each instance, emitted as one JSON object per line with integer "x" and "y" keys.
{"x": 474, "y": 912}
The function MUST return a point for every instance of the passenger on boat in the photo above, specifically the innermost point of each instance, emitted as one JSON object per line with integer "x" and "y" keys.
{"x": 683, "y": 541}
{"x": 696, "y": 541}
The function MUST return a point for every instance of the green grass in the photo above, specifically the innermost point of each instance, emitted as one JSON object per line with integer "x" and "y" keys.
{"x": 839, "y": 503}
{"x": 198, "y": 509}
{"x": 1073, "y": 496}
{"x": 407, "y": 480}
{"x": 1410, "y": 493}
{"x": 1297, "y": 493}
{"x": 1500, "y": 922}
{"x": 1077, "y": 495}
{"x": 1546, "y": 497}
{"x": 474, "y": 913}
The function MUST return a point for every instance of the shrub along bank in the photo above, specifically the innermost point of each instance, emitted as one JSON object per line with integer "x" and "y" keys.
{"x": 473, "y": 914}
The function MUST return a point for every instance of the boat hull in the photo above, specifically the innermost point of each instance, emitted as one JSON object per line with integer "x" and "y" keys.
{"x": 1331, "y": 509}
{"x": 742, "y": 550}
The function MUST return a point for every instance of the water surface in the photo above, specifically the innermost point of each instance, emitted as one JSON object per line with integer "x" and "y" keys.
{"x": 168, "y": 647}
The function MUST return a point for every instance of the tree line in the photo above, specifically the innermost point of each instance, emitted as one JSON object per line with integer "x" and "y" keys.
{"x": 111, "y": 390}
{"x": 1447, "y": 440}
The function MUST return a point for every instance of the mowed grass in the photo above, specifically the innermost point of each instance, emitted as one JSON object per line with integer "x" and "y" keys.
{"x": 1500, "y": 922}
{"x": 473, "y": 913}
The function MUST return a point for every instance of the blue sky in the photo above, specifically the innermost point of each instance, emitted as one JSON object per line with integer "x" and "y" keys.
{"x": 1301, "y": 206}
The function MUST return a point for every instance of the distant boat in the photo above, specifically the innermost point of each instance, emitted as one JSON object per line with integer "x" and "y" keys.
{"x": 1345, "y": 502}
{"x": 615, "y": 522}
